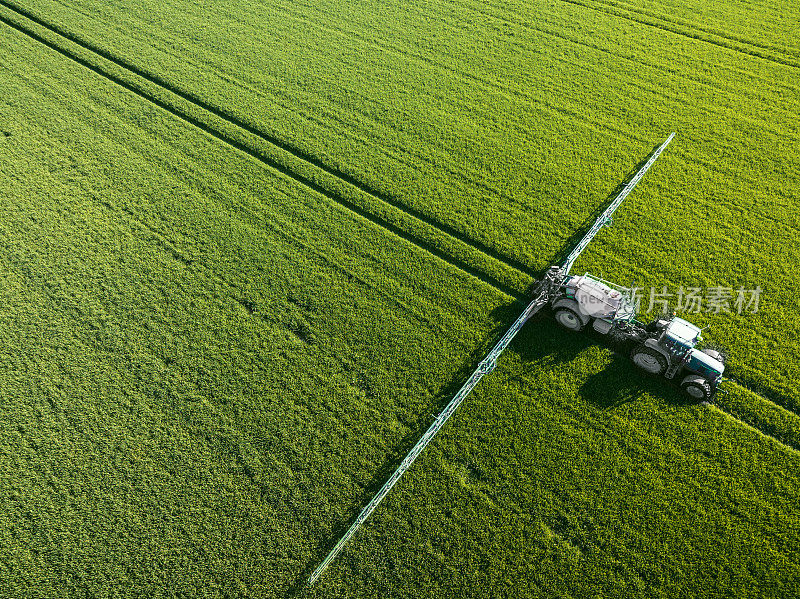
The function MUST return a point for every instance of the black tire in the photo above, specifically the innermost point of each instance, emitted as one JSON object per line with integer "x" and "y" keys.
{"x": 714, "y": 354}
{"x": 649, "y": 360}
{"x": 569, "y": 319}
{"x": 696, "y": 387}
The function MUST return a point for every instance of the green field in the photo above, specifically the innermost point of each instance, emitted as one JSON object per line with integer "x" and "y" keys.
{"x": 248, "y": 249}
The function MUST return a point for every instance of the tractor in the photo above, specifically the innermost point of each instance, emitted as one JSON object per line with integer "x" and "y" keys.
{"x": 664, "y": 347}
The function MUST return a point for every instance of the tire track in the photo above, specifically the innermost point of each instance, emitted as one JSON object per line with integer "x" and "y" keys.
{"x": 517, "y": 21}
{"x": 237, "y": 122}
{"x": 726, "y": 414}
{"x": 418, "y": 239}
{"x": 794, "y": 53}
{"x": 688, "y": 34}
{"x": 766, "y": 394}
{"x": 756, "y": 411}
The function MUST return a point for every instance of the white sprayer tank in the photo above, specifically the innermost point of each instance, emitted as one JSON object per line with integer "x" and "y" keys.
{"x": 595, "y": 298}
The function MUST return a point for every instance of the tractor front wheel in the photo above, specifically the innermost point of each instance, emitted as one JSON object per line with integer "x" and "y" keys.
{"x": 569, "y": 319}
{"x": 649, "y": 360}
{"x": 696, "y": 387}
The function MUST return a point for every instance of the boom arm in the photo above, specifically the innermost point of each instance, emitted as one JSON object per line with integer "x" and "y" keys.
{"x": 546, "y": 287}
{"x": 605, "y": 218}
{"x": 485, "y": 367}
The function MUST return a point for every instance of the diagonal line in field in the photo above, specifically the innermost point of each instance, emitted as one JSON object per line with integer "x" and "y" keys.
{"x": 225, "y": 115}
{"x": 789, "y": 52}
{"x": 766, "y": 394}
{"x": 750, "y": 427}
{"x": 275, "y": 165}
{"x": 702, "y": 38}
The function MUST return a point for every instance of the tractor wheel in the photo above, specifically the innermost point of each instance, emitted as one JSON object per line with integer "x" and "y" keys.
{"x": 696, "y": 387}
{"x": 649, "y": 360}
{"x": 569, "y": 319}
{"x": 714, "y": 354}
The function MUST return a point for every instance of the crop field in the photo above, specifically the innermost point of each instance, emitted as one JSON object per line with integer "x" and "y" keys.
{"x": 249, "y": 249}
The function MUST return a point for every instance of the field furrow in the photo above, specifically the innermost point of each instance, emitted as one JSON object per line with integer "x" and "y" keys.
{"x": 679, "y": 29}
{"x": 696, "y": 26}
{"x": 768, "y": 417}
{"x": 773, "y": 28}
{"x": 249, "y": 249}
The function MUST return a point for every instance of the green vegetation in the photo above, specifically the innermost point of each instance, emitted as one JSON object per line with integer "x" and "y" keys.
{"x": 248, "y": 249}
{"x": 512, "y": 125}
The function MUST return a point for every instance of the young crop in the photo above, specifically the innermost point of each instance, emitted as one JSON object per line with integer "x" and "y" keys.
{"x": 247, "y": 250}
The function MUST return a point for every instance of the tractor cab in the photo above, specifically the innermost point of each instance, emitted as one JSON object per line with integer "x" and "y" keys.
{"x": 679, "y": 336}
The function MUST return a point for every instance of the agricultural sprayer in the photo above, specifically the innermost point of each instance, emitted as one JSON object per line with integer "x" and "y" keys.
{"x": 664, "y": 347}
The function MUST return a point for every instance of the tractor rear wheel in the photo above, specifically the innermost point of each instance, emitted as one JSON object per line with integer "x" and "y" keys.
{"x": 649, "y": 360}
{"x": 569, "y": 319}
{"x": 696, "y": 387}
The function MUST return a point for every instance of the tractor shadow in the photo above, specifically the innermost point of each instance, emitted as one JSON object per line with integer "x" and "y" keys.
{"x": 620, "y": 382}
{"x": 542, "y": 342}
{"x": 613, "y": 386}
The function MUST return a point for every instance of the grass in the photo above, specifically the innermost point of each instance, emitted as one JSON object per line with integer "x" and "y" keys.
{"x": 237, "y": 285}
{"x": 482, "y": 146}
{"x": 143, "y": 361}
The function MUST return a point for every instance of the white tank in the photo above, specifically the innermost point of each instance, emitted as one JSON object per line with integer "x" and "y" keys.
{"x": 596, "y": 299}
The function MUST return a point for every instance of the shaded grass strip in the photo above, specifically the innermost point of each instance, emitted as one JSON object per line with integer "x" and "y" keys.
{"x": 692, "y": 33}
{"x": 763, "y": 415}
{"x": 226, "y": 115}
